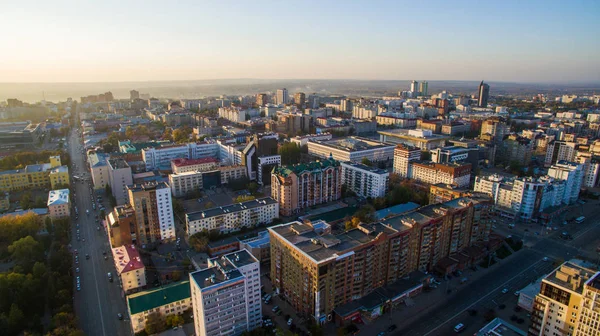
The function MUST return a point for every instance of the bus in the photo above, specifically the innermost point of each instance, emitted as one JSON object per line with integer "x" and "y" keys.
{"x": 579, "y": 220}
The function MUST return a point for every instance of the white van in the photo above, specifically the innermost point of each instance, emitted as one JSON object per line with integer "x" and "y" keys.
{"x": 459, "y": 327}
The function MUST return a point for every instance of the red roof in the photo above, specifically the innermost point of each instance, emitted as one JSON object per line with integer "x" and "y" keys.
{"x": 135, "y": 262}
{"x": 189, "y": 162}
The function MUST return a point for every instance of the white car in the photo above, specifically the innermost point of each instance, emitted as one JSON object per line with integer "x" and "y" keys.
{"x": 289, "y": 322}
{"x": 505, "y": 290}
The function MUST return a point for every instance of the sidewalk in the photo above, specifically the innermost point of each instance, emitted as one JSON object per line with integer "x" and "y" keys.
{"x": 402, "y": 315}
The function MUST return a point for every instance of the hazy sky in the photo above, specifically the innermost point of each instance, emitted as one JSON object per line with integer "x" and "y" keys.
{"x": 126, "y": 40}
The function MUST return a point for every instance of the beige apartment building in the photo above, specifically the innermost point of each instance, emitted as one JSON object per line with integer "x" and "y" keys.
{"x": 558, "y": 307}
{"x": 317, "y": 271}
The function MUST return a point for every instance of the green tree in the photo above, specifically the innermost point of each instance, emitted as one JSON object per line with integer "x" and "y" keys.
{"x": 209, "y": 205}
{"x": 174, "y": 321}
{"x": 243, "y": 198}
{"x": 366, "y": 162}
{"x": 253, "y": 187}
{"x": 199, "y": 242}
{"x": 290, "y": 153}
{"x": 154, "y": 324}
{"x": 26, "y": 201}
{"x": 25, "y": 252}
{"x": 39, "y": 202}
{"x": 16, "y": 319}
{"x": 39, "y": 270}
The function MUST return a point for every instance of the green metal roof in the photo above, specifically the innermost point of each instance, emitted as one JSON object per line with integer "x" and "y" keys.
{"x": 301, "y": 167}
{"x": 143, "y": 301}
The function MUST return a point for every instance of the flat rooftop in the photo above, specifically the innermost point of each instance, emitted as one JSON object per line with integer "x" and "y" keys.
{"x": 403, "y": 133}
{"x": 233, "y": 260}
{"x": 361, "y": 166}
{"x": 218, "y": 211}
{"x": 118, "y": 163}
{"x": 147, "y": 186}
{"x": 321, "y": 248}
{"x": 500, "y": 327}
{"x": 150, "y": 299}
{"x": 570, "y": 276}
{"x": 213, "y": 276}
{"x": 353, "y": 144}
{"x": 189, "y": 162}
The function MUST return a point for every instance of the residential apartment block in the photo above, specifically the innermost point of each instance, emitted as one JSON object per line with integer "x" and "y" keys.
{"x": 558, "y": 308}
{"x": 440, "y": 193}
{"x": 403, "y": 156}
{"x": 179, "y": 166}
{"x": 98, "y": 163}
{"x": 226, "y": 295}
{"x": 301, "y": 186}
{"x": 59, "y": 204}
{"x": 365, "y": 181}
{"x": 153, "y": 208}
{"x": 130, "y": 268}
{"x": 44, "y": 175}
{"x": 560, "y": 150}
{"x": 587, "y": 321}
{"x": 172, "y": 299}
{"x": 316, "y": 271}
{"x": 524, "y": 197}
{"x": 121, "y": 226}
{"x": 572, "y": 173}
{"x": 119, "y": 177}
{"x": 188, "y": 182}
{"x": 448, "y": 173}
{"x": 231, "y": 218}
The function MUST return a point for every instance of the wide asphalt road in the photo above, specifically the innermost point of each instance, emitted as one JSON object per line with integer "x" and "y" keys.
{"x": 99, "y": 301}
{"x": 513, "y": 274}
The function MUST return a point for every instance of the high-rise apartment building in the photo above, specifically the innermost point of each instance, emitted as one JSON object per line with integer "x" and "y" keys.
{"x": 301, "y": 186}
{"x": 317, "y": 271}
{"x": 484, "y": 93}
{"x": 587, "y": 319}
{"x": 591, "y": 168}
{"x": 560, "y": 150}
{"x": 414, "y": 88}
{"x": 133, "y": 95}
{"x": 299, "y": 99}
{"x": 559, "y": 306}
{"x": 495, "y": 128}
{"x": 572, "y": 173}
{"x": 423, "y": 88}
{"x": 365, "y": 181}
{"x": 153, "y": 208}
{"x": 403, "y": 156}
{"x": 119, "y": 177}
{"x": 226, "y": 295}
{"x": 282, "y": 97}
{"x": 262, "y": 99}
{"x": 516, "y": 148}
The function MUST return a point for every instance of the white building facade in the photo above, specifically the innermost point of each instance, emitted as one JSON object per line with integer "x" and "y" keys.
{"x": 233, "y": 217}
{"x": 365, "y": 181}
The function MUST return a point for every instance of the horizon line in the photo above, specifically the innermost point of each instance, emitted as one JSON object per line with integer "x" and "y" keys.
{"x": 597, "y": 82}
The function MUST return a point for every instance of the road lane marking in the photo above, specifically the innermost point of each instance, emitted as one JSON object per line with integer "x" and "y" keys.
{"x": 481, "y": 298}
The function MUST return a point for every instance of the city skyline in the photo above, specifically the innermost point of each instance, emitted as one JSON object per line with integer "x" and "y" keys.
{"x": 533, "y": 42}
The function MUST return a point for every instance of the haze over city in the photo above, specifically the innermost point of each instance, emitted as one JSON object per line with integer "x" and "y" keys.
{"x": 299, "y": 168}
{"x": 108, "y": 41}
